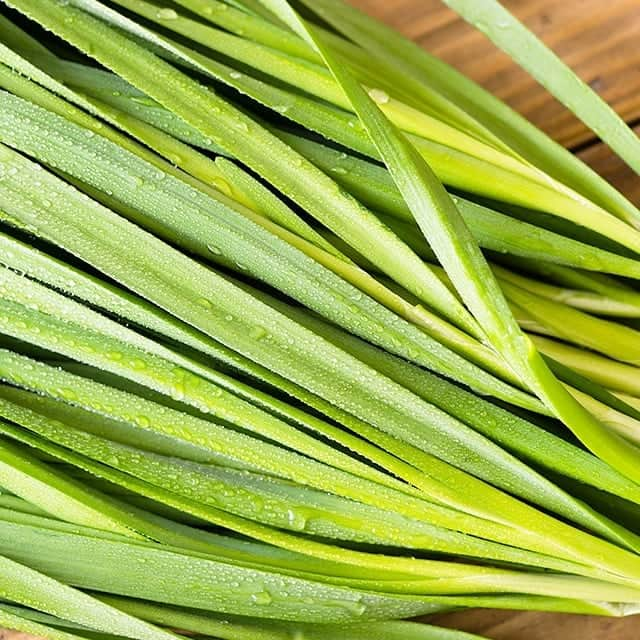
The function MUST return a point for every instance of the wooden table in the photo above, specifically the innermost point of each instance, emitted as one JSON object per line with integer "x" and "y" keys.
{"x": 601, "y": 41}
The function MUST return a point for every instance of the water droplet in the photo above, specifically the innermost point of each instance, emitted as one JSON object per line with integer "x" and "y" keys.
{"x": 89, "y": 133}
{"x": 213, "y": 249}
{"x": 222, "y": 185}
{"x": 352, "y": 606}
{"x": 261, "y": 597}
{"x": 166, "y": 14}
{"x": 203, "y": 302}
{"x": 142, "y": 421}
{"x": 178, "y": 391}
{"x": 145, "y": 100}
{"x": 339, "y": 170}
{"x": 281, "y": 108}
{"x": 235, "y": 75}
{"x": 67, "y": 394}
{"x": 297, "y": 520}
{"x": 243, "y": 126}
{"x": 258, "y": 332}
{"x": 379, "y": 96}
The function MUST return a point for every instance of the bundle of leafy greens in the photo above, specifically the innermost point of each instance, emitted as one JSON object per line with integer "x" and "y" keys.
{"x": 303, "y": 333}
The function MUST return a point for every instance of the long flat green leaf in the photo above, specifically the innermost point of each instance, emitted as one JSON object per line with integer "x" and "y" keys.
{"x": 607, "y": 372}
{"x": 315, "y": 82}
{"x": 275, "y": 210}
{"x": 372, "y": 184}
{"x": 207, "y": 173}
{"x": 404, "y": 505}
{"x": 250, "y": 26}
{"x": 234, "y": 445}
{"x": 608, "y": 337}
{"x": 67, "y": 500}
{"x": 594, "y": 282}
{"x": 342, "y": 562}
{"x": 14, "y": 619}
{"x": 29, "y": 261}
{"x": 471, "y": 351}
{"x": 185, "y": 538}
{"x": 20, "y": 212}
{"x": 36, "y": 264}
{"x": 577, "y": 297}
{"x": 452, "y": 166}
{"x": 403, "y": 116}
{"x": 24, "y": 585}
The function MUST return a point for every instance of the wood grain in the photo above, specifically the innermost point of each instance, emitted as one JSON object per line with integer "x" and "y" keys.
{"x": 7, "y": 634}
{"x": 600, "y": 41}
{"x": 531, "y": 625}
